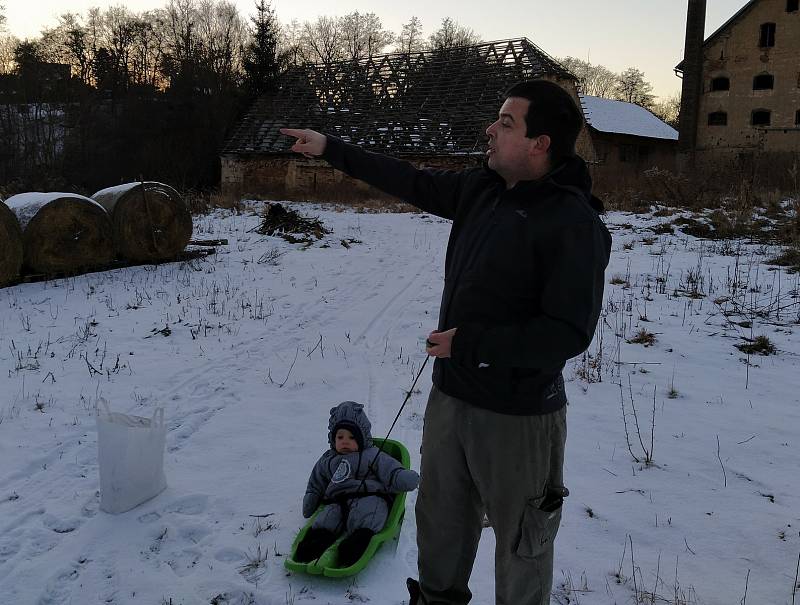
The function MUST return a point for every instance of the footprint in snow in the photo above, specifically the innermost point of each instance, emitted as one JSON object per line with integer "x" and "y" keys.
{"x": 188, "y": 505}
{"x": 58, "y": 589}
{"x": 229, "y": 555}
{"x": 60, "y": 526}
{"x": 148, "y": 517}
{"x": 9, "y": 546}
{"x": 183, "y": 563}
{"x": 41, "y": 541}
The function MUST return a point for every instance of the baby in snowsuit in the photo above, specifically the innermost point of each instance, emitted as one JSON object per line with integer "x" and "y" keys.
{"x": 356, "y": 505}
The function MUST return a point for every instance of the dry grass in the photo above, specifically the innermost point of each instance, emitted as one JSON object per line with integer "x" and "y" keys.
{"x": 203, "y": 202}
{"x": 643, "y": 337}
{"x": 760, "y": 345}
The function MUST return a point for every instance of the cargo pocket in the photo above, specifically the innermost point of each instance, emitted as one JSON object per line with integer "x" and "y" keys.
{"x": 539, "y": 527}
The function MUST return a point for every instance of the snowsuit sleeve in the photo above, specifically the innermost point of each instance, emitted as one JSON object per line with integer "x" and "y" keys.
{"x": 571, "y": 300}
{"x": 317, "y": 483}
{"x": 434, "y": 191}
{"x": 394, "y": 476}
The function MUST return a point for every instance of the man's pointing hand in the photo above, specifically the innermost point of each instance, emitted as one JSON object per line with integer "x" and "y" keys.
{"x": 309, "y": 142}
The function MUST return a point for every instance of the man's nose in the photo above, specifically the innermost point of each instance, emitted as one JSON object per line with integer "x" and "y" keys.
{"x": 490, "y": 130}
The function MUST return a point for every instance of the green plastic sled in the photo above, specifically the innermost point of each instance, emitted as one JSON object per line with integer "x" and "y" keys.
{"x": 327, "y": 564}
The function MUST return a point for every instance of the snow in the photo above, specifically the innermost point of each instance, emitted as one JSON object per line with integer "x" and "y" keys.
{"x": 117, "y": 190}
{"x": 26, "y": 205}
{"x": 620, "y": 117}
{"x": 265, "y": 336}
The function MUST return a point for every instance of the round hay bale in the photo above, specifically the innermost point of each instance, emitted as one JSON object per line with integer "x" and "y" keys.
{"x": 10, "y": 246}
{"x": 151, "y": 221}
{"x": 62, "y": 232}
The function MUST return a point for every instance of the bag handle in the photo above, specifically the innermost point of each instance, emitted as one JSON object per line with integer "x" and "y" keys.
{"x": 158, "y": 417}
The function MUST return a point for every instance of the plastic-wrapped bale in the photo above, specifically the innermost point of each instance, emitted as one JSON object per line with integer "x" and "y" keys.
{"x": 151, "y": 221}
{"x": 62, "y": 232}
{"x": 10, "y": 246}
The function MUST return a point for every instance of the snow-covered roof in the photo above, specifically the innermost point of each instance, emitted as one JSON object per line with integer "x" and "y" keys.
{"x": 620, "y": 117}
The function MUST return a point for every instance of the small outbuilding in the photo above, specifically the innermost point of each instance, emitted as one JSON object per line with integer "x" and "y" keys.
{"x": 628, "y": 139}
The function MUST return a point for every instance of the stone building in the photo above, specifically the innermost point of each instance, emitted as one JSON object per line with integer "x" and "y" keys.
{"x": 628, "y": 139}
{"x": 741, "y": 90}
{"x": 431, "y": 108}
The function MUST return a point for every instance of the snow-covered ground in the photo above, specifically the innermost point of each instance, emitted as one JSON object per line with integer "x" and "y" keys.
{"x": 265, "y": 336}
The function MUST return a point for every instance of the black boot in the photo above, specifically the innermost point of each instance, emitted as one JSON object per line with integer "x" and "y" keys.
{"x": 414, "y": 594}
{"x": 314, "y": 543}
{"x": 353, "y": 546}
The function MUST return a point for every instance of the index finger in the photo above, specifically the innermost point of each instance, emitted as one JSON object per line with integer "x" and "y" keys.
{"x": 292, "y": 132}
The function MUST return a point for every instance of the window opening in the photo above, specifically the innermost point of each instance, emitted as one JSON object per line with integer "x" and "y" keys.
{"x": 761, "y": 117}
{"x": 764, "y": 82}
{"x": 720, "y": 83}
{"x": 718, "y": 118}
{"x": 767, "y": 37}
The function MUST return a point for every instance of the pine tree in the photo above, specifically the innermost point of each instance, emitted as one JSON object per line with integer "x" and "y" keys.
{"x": 261, "y": 62}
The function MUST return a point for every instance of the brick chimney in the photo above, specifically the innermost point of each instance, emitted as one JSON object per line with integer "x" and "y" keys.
{"x": 692, "y": 86}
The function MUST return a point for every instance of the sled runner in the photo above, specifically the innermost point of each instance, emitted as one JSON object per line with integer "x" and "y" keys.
{"x": 327, "y": 564}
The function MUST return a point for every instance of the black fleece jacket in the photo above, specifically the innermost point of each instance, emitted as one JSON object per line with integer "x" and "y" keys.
{"x": 524, "y": 273}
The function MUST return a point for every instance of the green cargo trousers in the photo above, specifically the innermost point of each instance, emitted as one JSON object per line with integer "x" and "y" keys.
{"x": 511, "y": 467}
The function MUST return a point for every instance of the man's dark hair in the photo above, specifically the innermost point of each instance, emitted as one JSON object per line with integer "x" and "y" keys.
{"x": 552, "y": 112}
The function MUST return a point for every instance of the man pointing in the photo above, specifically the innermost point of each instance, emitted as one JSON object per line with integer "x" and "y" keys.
{"x": 524, "y": 276}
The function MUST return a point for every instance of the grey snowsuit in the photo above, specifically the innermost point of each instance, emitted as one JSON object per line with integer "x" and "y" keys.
{"x": 336, "y": 476}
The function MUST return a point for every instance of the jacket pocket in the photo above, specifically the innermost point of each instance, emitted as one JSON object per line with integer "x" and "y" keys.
{"x": 539, "y": 527}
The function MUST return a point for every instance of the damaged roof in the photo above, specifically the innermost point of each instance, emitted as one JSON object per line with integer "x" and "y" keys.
{"x": 428, "y": 103}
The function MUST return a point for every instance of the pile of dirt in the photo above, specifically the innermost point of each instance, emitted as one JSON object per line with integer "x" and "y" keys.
{"x": 288, "y": 224}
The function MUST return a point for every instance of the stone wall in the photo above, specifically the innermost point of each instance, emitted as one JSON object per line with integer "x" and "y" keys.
{"x": 736, "y": 54}
{"x": 293, "y": 177}
{"x": 623, "y": 159}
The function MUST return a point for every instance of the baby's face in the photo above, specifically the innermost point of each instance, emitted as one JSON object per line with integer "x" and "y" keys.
{"x": 345, "y": 442}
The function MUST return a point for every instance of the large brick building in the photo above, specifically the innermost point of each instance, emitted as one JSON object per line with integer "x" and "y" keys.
{"x": 746, "y": 100}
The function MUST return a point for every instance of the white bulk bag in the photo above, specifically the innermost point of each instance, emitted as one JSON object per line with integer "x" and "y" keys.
{"x": 130, "y": 452}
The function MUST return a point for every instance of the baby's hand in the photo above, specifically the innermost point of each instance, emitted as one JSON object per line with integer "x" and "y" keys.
{"x": 406, "y": 480}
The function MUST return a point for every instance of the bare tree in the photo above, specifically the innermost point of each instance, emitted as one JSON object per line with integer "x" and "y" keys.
{"x": 221, "y": 35}
{"x": 323, "y": 40}
{"x": 451, "y": 34}
{"x": 633, "y": 88}
{"x": 410, "y": 40}
{"x": 595, "y": 80}
{"x": 7, "y": 45}
{"x": 290, "y": 43}
{"x": 667, "y": 109}
{"x": 363, "y": 35}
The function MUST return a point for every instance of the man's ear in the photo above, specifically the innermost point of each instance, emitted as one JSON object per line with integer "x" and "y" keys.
{"x": 540, "y": 145}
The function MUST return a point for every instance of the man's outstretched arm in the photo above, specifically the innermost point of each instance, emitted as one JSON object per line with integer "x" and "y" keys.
{"x": 435, "y": 191}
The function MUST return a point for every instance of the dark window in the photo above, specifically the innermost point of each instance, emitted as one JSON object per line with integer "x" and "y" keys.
{"x": 792, "y": 6}
{"x": 764, "y": 82}
{"x": 797, "y": 118}
{"x": 767, "y": 37}
{"x": 760, "y": 117}
{"x": 644, "y": 153}
{"x": 721, "y": 83}
{"x": 718, "y": 118}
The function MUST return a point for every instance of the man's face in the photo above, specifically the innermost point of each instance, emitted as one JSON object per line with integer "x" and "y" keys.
{"x": 509, "y": 148}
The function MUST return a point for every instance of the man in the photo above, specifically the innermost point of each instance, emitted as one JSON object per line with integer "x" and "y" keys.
{"x": 524, "y": 277}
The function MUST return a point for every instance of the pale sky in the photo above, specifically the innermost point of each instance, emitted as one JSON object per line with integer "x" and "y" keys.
{"x": 647, "y": 34}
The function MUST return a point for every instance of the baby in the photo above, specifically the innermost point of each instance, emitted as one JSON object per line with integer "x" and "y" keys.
{"x": 356, "y": 481}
